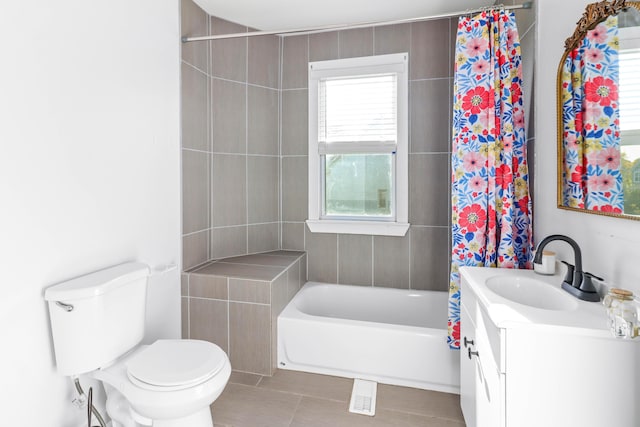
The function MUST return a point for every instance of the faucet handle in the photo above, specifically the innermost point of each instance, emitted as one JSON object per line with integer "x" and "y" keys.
{"x": 587, "y": 285}
{"x": 593, "y": 276}
{"x": 568, "y": 278}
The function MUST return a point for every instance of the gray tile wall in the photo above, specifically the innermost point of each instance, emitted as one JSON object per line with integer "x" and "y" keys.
{"x": 235, "y": 304}
{"x": 251, "y": 141}
{"x": 419, "y": 260}
{"x": 230, "y": 141}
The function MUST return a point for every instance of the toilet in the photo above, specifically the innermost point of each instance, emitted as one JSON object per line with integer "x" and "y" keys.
{"x": 97, "y": 324}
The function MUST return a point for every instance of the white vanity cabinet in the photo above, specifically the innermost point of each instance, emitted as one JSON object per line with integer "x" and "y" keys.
{"x": 527, "y": 374}
{"x": 482, "y": 383}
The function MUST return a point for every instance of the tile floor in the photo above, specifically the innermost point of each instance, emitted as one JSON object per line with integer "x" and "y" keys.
{"x": 299, "y": 399}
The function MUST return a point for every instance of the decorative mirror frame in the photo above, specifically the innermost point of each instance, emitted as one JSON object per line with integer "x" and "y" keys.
{"x": 594, "y": 14}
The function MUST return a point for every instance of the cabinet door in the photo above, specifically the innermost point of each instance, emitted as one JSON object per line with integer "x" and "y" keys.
{"x": 489, "y": 385}
{"x": 468, "y": 374}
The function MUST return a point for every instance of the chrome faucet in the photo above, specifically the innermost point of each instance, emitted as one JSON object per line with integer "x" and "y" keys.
{"x": 576, "y": 282}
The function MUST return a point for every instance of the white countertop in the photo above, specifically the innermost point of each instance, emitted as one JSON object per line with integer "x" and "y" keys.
{"x": 587, "y": 318}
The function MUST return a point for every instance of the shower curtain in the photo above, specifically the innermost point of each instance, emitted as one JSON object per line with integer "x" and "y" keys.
{"x": 491, "y": 209}
{"x": 591, "y": 175}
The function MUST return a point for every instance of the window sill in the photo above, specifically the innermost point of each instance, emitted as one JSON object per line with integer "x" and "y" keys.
{"x": 376, "y": 228}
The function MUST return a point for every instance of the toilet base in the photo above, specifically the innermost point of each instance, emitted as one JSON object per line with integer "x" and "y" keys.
{"x": 122, "y": 415}
{"x": 201, "y": 418}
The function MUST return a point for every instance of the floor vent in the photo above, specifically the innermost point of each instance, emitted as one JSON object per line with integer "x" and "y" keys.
{"x": 363, "y": 397}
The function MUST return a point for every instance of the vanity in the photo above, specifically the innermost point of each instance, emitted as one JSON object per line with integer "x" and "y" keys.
{"x": 533, "y": 355}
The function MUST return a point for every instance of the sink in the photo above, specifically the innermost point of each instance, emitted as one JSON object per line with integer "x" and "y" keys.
{"x": 531, "y": 292}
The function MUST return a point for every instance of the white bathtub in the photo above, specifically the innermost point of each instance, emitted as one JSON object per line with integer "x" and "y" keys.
{"x": 391, "y": 336}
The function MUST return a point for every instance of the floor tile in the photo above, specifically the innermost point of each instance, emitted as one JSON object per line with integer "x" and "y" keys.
{"x": 313, "y": 385}
{"x": 420, "y": 421}
{"x": 313, "y": 412}
{"x": 244, "y": 378}
{"x": 419, "y": 402}
{"x": 300, "y": 399}
{"x": 244, "y": 406}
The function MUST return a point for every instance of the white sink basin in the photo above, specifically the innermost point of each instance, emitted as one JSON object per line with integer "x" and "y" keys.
{"x": 531, "y": 292}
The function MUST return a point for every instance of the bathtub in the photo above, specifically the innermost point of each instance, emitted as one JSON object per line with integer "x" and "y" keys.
{"x": 391, "y": 336}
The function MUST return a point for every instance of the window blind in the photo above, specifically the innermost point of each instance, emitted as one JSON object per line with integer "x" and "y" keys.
{"x": 629, "y": 90}
{"x": 357, "y": 114}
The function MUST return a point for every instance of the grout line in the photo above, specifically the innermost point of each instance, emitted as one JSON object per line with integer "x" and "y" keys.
{"x": 190, "y": 65}
{"x": 248, "y": 154}
{"x": 231, "y": 300}
{"x": 246, "y": 138}
{"x": 410, "y": 253}
{"x": 372, "y": 260}
{"x": 373, "y": 41}
{"x": 280, "y": 192}
{"x": 337, "y": 258}
{"x": 244, "y": 225}
{"x": 295, "y": 411}
{"x": 533, "y": 24}
{"x": 304, "y": 243}
{"x": 244, "y": 83}
{"x": 194, "y": 150}
{"x": 373, "y": 252}
{"x": 430, "y": 152}
{"x": 426, "y": 79}
{"x": 410, "y": 97}
{"x": 228, "y": 322}
{"x": 210, "y": 148}
{"x": 210, "y": 236}
{"x": 218, "y": 227}
{"x": 188, "y": 318}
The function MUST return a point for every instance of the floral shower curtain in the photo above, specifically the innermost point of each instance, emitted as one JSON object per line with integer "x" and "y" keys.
{"x": 491, "y": 209}
{"x": 591, "y": 175}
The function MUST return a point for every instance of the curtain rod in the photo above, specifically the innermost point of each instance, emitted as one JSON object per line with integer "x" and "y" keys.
{"x": 314, "y": 30}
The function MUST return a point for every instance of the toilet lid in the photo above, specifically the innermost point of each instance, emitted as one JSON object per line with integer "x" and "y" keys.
{"x": 171, "y": 363}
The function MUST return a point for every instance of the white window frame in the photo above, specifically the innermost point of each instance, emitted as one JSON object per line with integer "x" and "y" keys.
{"x": 629, "y": 40}
{"x": 380, "y": 64}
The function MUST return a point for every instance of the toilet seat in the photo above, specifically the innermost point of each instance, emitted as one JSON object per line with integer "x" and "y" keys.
{"x": 169, "y": 365}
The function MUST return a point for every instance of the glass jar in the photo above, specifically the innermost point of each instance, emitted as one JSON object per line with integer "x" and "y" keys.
{"x": 622, "y": 312}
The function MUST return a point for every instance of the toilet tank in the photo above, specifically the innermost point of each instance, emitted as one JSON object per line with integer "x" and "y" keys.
{"x": 97, "y": 317}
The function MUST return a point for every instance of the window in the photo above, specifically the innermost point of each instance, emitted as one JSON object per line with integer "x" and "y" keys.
{"x": 358, "y": 181}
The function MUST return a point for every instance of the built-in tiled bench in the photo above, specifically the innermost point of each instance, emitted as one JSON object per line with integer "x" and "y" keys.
{"x": 235, "y": 303}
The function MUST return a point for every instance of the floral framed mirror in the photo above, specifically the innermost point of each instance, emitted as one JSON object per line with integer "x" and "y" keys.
{"x": 598, "y": 101}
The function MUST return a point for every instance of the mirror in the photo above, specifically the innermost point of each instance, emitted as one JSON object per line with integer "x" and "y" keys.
{"x": 598, "y": 91}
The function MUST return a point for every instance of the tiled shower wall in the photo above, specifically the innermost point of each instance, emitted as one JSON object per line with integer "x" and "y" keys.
{"x": 245, "y": 175}
{"x": 230, "y": 141}
{"x": 419, "y": 260}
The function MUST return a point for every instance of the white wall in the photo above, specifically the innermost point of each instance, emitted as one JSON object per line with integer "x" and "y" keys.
{"x": 89, "y": 174}
{"x": 610, "y": 246}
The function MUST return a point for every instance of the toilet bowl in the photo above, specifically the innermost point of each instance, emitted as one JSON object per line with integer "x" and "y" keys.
{"x": 168, "y": 381}
{"x": 97, "y": 324}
